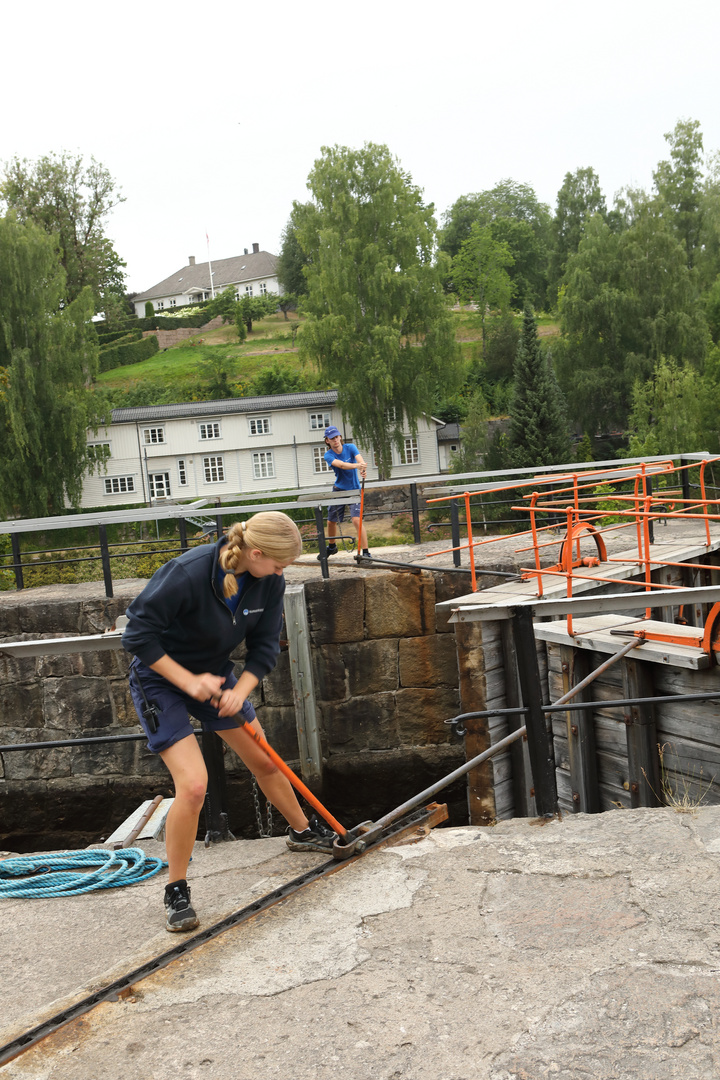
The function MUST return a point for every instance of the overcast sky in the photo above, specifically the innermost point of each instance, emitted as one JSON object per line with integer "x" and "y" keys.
{"x": 210, "y": 116}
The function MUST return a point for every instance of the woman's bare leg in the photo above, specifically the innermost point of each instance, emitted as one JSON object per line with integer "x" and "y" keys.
{"x": 276, "y": 787}
{"x": 185, "y": 761}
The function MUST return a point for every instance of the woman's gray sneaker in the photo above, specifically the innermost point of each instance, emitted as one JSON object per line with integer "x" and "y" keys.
{"x": 317, "y": 837}
{"x": 179, "y": 912}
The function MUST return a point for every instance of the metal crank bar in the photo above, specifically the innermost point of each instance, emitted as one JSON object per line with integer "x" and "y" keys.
{"x": 413, "y": 827}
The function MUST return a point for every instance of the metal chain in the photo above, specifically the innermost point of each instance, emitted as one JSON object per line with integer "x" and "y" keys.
{"x": 263, "y": 830}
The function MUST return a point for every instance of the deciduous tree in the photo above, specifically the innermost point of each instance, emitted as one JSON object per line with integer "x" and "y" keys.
{"x": 470, "y": 456}
{"x": 666, "y": 411}
{"x": 292, "y": 259}
{"x": 48, "y": 359}
{"x": 70, "y": 200}
{"x": 628, "y": 299}
{"x": 378, "y": 324}
{"x": 578, "y": 199}
{"x": 516, "y": 218}
{"x": 679, "y": 183}
{"x": 480, "y": 275}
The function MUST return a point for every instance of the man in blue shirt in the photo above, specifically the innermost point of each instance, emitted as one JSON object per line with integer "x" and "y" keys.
{"x": 346, "y": 462}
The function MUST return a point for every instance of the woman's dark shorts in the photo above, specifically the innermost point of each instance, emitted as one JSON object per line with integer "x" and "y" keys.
{"x": 174, "y": 708}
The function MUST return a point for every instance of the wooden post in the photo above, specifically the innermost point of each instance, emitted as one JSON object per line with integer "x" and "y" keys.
{"x": 523, "y": 799}
{"x": 301, "y": 675}
{"x": 539, "y": 740}
{"x": 643, "y": 758}
{"x": 473, "y": 696}
{"x": 581, "y": 734}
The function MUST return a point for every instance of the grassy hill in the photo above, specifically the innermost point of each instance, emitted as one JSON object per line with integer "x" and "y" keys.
{"x": 190, "y": 371}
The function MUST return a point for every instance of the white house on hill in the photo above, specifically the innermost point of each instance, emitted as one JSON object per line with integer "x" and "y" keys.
{"x": 253, "y": 274}
{"x": 217, "y": 449}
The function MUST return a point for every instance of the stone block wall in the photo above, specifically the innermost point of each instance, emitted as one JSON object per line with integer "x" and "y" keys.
{"x": 386, "y": 677}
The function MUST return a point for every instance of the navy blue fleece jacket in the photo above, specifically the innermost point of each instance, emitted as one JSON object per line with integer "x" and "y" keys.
{"x": 181, "y": 613}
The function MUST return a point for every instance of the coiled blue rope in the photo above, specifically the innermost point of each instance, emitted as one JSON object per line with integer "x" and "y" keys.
{"x": 68, "y": 873}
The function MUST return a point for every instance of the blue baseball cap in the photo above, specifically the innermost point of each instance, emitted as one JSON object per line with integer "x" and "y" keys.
{"x": 332, "y": 432}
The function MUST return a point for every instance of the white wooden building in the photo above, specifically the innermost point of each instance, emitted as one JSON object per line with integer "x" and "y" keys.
{"x": 252, "y": 274}
{"x": 217, "y": 449}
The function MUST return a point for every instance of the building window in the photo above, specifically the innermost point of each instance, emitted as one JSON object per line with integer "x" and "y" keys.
{"x": 319, "y": 462}
{"x": 214, "y": 469}
{"x": 263, "y": 288}
{"x": 391, "y": 415}
{"x": 259, "y": 425}
{"x": 182, "y": 473}
{"x": 319, "y": 421}
{"x": 160, "y": 305}
{"x": 263, "y": 465}
{"x": 173, "y": 302}
{"x": 159, "y": 484}
{"x": 98, "y": 451}
{"x": 248, "y": 290}
{"x": 119, "y": 485}
{"x": 409, "y": 455}
{"x": 209, "y": 431}
{"x": 153, "y": 435}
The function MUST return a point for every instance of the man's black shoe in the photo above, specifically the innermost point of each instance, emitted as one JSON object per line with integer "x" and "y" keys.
{"x": 179, "y": 913}
{"x": 330, "y": 550}
{"x": 317, "y": 837}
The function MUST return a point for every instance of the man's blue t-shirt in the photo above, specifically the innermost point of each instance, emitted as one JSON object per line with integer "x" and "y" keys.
{"x": 345, "y": 479}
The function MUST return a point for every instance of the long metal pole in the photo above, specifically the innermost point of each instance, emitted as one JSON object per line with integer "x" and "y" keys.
{"x": 498, "y": 746}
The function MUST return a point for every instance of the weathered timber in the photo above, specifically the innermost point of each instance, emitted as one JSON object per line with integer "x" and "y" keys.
{"x": 482, "y": 808}
{"x": 580, "y": 729}
{"x": 643, "y": 762}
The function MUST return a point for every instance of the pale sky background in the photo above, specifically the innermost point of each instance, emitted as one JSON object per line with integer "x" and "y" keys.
{"x": 209, "y": 116}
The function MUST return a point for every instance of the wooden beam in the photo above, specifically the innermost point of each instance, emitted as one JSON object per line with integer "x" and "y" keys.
{"x": 474, "y": 698}
{"x": 581, "y": 734}
{"x": 642, "y": 748}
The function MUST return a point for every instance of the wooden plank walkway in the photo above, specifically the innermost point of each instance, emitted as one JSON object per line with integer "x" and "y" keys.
{"x": 508, "y": 594}
{"x": 596, "y": 633}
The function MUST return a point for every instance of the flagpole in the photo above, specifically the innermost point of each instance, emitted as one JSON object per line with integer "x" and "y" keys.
{"x": 212, "y": 285}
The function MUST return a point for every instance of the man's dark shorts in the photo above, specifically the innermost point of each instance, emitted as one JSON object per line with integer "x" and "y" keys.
{"x": 175, "y": 708}
{"x": 337, "y": 513}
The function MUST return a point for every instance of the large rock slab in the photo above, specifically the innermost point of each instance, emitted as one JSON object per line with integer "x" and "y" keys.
{"x": 588, "y": 947}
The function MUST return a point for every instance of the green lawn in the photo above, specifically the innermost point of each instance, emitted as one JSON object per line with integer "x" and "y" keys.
{"x": 180, "y": 372}
{"x": 270, "y": 341}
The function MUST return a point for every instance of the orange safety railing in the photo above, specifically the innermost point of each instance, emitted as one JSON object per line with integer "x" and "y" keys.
{"x": 582, "y": 513}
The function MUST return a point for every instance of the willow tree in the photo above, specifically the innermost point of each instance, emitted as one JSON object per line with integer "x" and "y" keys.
{"x": 71, "y": 200}
{"x": 48, "y": 358}
{"x": 378, "y": 325}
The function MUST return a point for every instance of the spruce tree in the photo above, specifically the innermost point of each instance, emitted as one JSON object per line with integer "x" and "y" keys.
{"x": 538, "y": 423}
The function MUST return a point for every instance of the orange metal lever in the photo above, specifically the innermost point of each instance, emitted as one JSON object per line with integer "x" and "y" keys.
{"x": 295, "y": 780}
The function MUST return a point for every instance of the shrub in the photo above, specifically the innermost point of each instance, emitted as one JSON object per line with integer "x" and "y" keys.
{"x": 130, "y": 353}
{"x": 149, "y": 309}
{"x": 116, "y": 335}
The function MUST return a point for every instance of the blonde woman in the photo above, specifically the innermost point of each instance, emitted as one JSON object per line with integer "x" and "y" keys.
{"x": 181, "y": 630}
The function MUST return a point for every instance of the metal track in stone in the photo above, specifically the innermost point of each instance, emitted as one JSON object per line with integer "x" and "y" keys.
{"x": 420, "y": 822}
